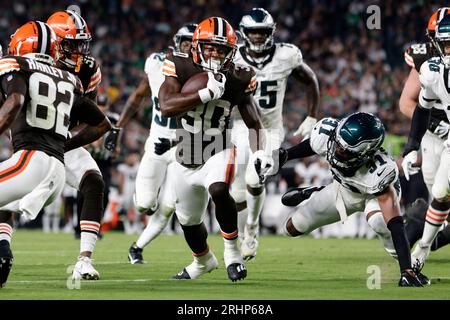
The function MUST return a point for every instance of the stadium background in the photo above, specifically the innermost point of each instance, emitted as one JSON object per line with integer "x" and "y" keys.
{"x": 358, "y": 69}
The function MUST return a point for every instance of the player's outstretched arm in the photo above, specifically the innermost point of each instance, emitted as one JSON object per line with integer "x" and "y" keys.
{"x": 86, "y": 111}
{"x": 135, "y": 102}
{"x": 172, "y": 101}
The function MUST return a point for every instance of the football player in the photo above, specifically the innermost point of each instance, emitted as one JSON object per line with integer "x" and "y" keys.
{"x": 437, "y": 132}
{"x": 365, "y": 180}
{"x": 205, "y": 163}
{"x": 82, "y": 172}
{"x": 435, "y": 86}
{"x": 272, "y": 63}
{"x": 39, "y": 101}
{"x": 157, "y": 156}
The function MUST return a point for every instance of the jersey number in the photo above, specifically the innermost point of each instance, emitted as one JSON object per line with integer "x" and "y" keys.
{"x": 210, "y": 117}
{"x": 270, "y": 96}
{"x": 160, "y": 120}
{"x": 50, "y": 104}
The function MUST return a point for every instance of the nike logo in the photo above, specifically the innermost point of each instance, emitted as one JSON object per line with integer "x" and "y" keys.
{"x": 381, "y": 172}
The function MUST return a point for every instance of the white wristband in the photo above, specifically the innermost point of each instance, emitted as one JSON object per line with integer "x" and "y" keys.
{"x": 205, "y": 95}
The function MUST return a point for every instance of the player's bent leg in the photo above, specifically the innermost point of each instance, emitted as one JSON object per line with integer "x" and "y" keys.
{"x": 150, "y": 176}
{"x": 6, "y": 256}
{"x": 226, "y": 215}
{"x": 92, "y": 188}
{"x": 204, "y": 259}
{"x": 376, "y": 222}
{"x": 156, "y": 224}
{"x": 415, "y": 220}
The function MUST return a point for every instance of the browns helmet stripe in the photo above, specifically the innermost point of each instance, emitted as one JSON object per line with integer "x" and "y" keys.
{"x": 76, "y": 20}
{"x": 44, "y": 37}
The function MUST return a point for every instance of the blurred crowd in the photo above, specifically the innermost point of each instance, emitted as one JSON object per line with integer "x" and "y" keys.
{"x": 359, "y": 69}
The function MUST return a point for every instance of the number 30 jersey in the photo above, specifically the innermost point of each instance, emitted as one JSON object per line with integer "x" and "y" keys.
{"x": 272, "y": 74}
{"x": 204, "y": 128}
{"x": 163, "y": 127}
{"x": 42, "y": 124}
{"x": 371, "y": 178}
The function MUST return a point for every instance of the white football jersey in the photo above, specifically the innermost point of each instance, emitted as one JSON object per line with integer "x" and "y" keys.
{"x": 163, "y": 127}
{"x": 371, "y": 178}
{"x": 435, "y": 85}
{"x": 272, "y": 73}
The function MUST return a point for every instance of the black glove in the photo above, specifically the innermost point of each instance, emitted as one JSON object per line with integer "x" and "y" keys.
{"x": 163, "y": 146}
{"x": 111, "y": 139}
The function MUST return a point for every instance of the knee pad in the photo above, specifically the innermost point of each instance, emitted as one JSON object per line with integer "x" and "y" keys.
{"x": 302, "y": 222}
{"x": 251, "y": 176}
{"x": 239, "y": 196}
{"x": 92, "y": 188}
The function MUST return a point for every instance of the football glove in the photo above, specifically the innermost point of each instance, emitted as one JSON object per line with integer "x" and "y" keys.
{"x": 442, "y": 129}
{"x": 111, "y": 139}
{"x": 264, "y": 165}
{"x": 306, "y": 127}
{"x": 163, "y": 146}
{"x": 214, "y": 88}
{"x": 409, "y": 164}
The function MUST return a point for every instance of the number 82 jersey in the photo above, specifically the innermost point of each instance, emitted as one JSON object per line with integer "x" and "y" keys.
{"x": 42, "y": 124}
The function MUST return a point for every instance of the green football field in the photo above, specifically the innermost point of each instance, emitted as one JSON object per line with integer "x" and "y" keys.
{"x": 285, "y": 268}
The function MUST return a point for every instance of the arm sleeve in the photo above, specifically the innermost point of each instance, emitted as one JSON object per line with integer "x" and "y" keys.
{"x": 419, "y": 125}
{"x": 302, "y": 150}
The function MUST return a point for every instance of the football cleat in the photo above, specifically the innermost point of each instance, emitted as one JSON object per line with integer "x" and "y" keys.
{"x": 236, "y": 271}
{"x": 296, "y": 196}
{"x": 235, "y": 264}
{"x": 424, "y": 280}
{"x": 409, "y": 279}
{"x": 85, "y": 270}
{"x": 198, "y": 267}
{"x": 250, "y": 243}
{"x": 419, "y": 255}
{"x": 135, "y": 254}
{"x": 6, "y": 261}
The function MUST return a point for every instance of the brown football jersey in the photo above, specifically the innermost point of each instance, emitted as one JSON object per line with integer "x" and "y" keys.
{"x": 202, "y": 132}
{"x": 42, "y": 124}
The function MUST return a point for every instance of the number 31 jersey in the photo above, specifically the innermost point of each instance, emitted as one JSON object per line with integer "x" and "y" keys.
{"x": 271, "y": 75}
{"x": 42, "y": 124}
{"x": 371, "y": 178}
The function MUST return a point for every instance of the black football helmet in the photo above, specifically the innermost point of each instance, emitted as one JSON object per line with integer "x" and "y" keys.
{"x": 354, "y": 142}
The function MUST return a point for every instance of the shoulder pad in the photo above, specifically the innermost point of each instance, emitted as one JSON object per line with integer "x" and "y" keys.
{"x": 321, "y": 133}
{"x": 95, "y": 80}
{"x": 8, "y": 64}
{"x": 288, "y": 51}
{"x": 429, "y": 72}
{"x": 156, "y": 58}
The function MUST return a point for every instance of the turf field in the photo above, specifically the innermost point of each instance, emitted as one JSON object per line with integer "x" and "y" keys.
{"x": 288, "y": 269}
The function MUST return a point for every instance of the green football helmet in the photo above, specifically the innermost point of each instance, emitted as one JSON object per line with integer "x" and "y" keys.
{"x": 354, "y": 142}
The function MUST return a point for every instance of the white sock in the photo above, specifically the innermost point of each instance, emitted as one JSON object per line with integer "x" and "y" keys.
{"x": 156, "y": 224}
{"x": 254, "y": 206}
{"x": 378, "y": 225}
{"x": 242, "y": 219}
{"x": 231, "y": 253}
{"x": 433, "y": 222}
{"x": 89, "y": 231}
{"x": 5, "y": 232}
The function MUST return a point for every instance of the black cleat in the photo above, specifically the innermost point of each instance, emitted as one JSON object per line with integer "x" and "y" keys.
{"x": 182, "y": 275}
{"x": 135, "y": 254}
{"x": 236, "y": 271}
{"x": 422, "y": 278}
{"x": 6, "y": 261}
{"x": 294, "y": 197}
{"x": 409, "y": 279}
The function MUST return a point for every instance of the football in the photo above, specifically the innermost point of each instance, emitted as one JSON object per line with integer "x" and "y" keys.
{"x": 196, "y": 82}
